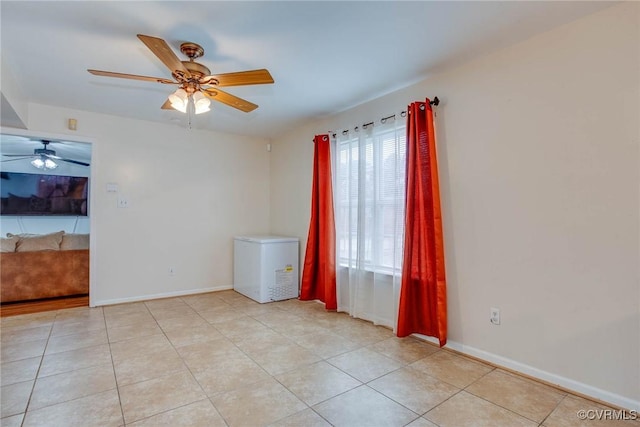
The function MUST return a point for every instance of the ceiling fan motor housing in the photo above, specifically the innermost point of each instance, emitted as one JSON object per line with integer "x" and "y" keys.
{"x": 196, "y": 69}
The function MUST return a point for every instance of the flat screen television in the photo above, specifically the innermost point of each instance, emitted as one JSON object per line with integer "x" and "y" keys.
{"x": 38, "y": 194}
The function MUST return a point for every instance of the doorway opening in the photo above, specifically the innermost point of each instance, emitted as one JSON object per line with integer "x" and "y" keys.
{"x": 45, "y": 222}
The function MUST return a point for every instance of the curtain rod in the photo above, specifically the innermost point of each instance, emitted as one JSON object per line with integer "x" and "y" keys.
{"x": 383, "y": 120}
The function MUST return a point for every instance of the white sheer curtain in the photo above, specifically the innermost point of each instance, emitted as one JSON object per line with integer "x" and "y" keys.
{"x": 369, "y": 204}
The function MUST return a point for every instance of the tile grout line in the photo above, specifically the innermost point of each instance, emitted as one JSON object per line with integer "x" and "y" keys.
{"x": 250, "y": 358}
{"x": 113, "y": 366}
{"x": 67, "y": 372}
{"x": 322, "y": 359}
{"x": 189, "y": 368}
{"x": 408, "y": 365}
{"x": 26, "y": 408}
{"x": 325, "y": 359}
{"x": 273, "y": 377}
{"x": 495, "y": 369}
{"x": 554, "y": 409}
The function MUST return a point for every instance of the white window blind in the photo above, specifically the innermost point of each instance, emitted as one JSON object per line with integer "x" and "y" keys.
{"x": 370, "y": 186}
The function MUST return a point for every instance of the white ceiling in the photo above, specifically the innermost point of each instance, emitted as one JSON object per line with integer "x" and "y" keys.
{"x": 325, "y": 56}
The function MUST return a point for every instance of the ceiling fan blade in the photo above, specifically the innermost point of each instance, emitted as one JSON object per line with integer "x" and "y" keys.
{"x": 19, "y": 155}
{"x": 132, "y": 77}
{"x": 76, "y": 162}
{"x": 162, "y": 50}
{"x": 17, "y": 158}
{"x": 231, "y": 100}
{"x": 54, "y": 157}
{"x": 167, "y": 105}
{"x": 241, "y": 78}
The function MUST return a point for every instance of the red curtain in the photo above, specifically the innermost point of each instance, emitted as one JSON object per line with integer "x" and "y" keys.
{"x": 319, "y": 272}
{"x": 423, "y": 293}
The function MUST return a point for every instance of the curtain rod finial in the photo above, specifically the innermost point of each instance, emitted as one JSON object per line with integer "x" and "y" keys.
{"x": 435, "y": 101}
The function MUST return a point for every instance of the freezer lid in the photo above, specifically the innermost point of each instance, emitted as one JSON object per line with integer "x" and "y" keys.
{"x": 266, "y": 239}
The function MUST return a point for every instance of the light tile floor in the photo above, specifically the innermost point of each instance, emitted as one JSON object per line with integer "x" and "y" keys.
{"x": 220, "y": 359}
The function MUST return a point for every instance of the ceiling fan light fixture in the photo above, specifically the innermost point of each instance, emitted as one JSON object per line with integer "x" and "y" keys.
{"x": 41, "y": 163}
{"x": 179, "y": 100}
{"x": 201, "y": 103}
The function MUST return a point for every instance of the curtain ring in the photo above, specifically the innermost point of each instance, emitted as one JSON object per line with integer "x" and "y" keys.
{"x": 384, "y": 119}
{"x": 345, "y": 132}
{"x": 325, "y": 137}
{"x": 357, "y": 129}
{"x": 422, "y": 107}
{"x": 403, "y": 114}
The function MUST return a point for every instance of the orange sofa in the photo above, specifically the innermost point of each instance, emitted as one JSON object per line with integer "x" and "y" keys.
{"x": 46, "y": 274}
{"x": 43, "y": 266}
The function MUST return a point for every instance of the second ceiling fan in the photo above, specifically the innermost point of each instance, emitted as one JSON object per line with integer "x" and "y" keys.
{"x": 196, "y": 84}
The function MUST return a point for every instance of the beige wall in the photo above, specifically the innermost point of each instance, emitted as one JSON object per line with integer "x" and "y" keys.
{"x": 291, "y": 178}
{"x": 14, "y": 108}
{"x": 539, "y": 159}
{"x": 189, "y": 193}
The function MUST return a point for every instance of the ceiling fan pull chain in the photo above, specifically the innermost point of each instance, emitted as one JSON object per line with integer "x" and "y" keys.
{"x": 190, "y": 111}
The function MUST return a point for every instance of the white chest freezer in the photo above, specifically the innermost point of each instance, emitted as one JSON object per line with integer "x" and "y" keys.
{"x": 265, "y": 268}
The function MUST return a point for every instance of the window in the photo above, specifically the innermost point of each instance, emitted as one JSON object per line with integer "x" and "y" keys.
{"x": 370, "y": 186}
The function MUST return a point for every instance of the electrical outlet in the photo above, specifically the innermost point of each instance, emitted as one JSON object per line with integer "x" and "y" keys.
{"x": 495, "y": 316}
{"x": 123, "y": 202}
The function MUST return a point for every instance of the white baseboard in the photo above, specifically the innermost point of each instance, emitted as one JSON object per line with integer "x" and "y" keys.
{"x": 163, "y": 295}
{"x": 565, "y": 383}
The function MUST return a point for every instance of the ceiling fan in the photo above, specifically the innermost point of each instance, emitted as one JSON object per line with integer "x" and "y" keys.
{"x": 196, "y": 83}
{"x": 43, "y": 158}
